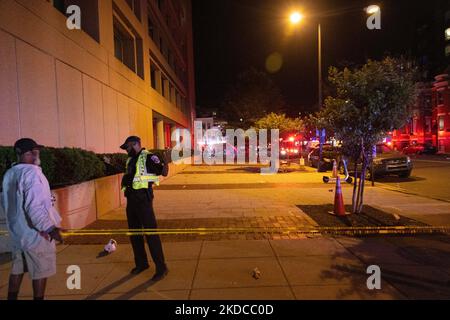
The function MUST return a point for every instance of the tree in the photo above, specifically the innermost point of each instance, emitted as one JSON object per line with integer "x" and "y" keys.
{"x": 369, "y": 102}
{"x": 281, "y": 122}
{"x": 253, "y": 96}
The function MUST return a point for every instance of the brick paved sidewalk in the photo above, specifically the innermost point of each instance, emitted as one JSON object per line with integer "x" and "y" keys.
{"x": 243, "y": 222}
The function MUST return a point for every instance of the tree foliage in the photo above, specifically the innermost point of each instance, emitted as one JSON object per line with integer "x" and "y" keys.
{"x": 281, "y": 122}
{"x": 369, "y": 102}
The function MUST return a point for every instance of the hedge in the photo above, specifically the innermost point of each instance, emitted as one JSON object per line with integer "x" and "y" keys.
{"x": 114, "y": 162}
{"x": 68, "y": 166}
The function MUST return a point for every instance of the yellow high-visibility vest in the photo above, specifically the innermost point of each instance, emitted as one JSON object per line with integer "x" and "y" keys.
{"x": 142, "y": 178}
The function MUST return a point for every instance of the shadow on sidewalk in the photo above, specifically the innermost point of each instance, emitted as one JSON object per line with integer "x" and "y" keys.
{"x": 125, "y": 296}
{"x": 108, "y": 288}
{"x": 139, "y": 289}
{"x": 418, "y": 267}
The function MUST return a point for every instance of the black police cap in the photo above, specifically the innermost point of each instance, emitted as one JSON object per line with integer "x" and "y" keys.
{"x": 130, "y": 139}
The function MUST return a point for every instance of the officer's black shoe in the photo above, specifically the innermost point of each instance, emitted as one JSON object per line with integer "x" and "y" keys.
{"x": 160, "y": 274}
{"x": 138, "y": 270}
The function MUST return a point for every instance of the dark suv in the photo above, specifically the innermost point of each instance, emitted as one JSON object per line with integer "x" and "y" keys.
{"x": 387, "y": 162}
{"x": 329, "y": 153}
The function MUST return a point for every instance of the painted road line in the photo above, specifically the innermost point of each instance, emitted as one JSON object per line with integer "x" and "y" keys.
{"x": 409, "y": 192}
{"x": 432, "y": 161}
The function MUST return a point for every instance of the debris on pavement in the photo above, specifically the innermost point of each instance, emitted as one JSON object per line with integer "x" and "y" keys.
{"x": 111, "y": 246}
{"x": 256, "y": 273}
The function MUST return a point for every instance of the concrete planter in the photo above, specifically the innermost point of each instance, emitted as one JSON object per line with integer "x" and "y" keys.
{"x": 5, "y": 245}
{"x": 76, "y": 204}
{"x": 107, "y": 194}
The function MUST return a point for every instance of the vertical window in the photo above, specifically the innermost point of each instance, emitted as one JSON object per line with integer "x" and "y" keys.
{"x": 427, "y": 125}
{"x": 153, "y": 75}
{"x": 135, "y": 6}
{"x": 151, "y": 29}
{"x": 170, "y": 92}
{"x": 173, "y": 98}
{"x": 165, "y": 87}
{"x": 118, "y": 44}
{"x": 124, "y": 47}
{"x": 441, "y": 123}
{"x": 128, "y": 48}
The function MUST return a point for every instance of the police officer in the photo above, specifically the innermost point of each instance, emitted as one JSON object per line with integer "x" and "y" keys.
{"x": 142, "y": 170}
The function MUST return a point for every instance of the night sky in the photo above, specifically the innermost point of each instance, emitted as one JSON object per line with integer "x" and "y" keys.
{"x": 233, "y": 35}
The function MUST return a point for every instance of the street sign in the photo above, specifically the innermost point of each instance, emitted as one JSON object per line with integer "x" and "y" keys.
{"x": 322, "y": 136}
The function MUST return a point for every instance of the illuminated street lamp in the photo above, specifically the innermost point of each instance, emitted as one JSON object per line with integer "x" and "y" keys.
{"x": 296, "y": 17}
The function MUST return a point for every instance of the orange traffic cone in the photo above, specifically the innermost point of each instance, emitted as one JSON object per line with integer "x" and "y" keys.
{"x": 334, "y": 169}
{"x": 339, "y": 209}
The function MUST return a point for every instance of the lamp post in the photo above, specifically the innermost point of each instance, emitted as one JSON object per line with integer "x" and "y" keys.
{"x": 295, "y": 18}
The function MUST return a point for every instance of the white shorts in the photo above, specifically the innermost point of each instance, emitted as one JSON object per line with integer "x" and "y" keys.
{"x": 39, "y": 262}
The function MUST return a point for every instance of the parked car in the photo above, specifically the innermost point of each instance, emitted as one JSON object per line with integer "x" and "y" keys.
{"x": 289, "y": 152}
{"x": 420, "y": 148}
{"x": 387, "y": 162}
{"x": 329, "y": 153}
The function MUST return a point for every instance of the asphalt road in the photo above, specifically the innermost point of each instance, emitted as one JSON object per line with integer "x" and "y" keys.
{"x": 430, "y": 178}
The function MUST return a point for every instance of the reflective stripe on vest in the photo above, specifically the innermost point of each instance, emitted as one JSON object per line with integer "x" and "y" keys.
{"x": 142, "y": 177}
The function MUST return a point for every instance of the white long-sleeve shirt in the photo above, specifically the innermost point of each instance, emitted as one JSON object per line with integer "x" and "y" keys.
{"x": 27, "y": 202}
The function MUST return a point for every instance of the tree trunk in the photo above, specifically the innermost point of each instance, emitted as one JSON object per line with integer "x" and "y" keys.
{"x": 354, "y": 197}
{"x": 361, "y": 187}
{"x": 359, "y": 195}
{"x": 361, "y": 179}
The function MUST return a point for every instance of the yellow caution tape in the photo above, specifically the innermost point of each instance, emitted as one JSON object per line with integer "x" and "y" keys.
{"x": 279, "y": 230}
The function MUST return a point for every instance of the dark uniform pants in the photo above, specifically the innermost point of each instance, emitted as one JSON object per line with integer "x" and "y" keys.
{"x": 140, "y": 215}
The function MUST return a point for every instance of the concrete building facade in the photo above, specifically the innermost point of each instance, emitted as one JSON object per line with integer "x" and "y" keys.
{"x": 128, "y": 71}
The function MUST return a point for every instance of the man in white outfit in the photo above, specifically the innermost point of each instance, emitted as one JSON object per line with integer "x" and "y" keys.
{"x": 31, "y": 219}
